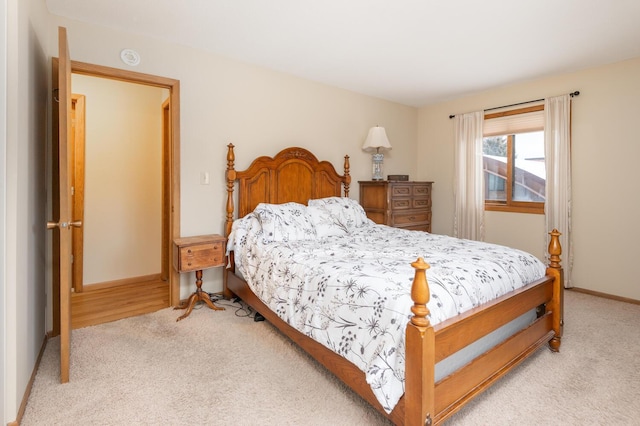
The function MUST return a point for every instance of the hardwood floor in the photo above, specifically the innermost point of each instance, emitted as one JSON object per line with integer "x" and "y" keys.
{"x": 105, "y": 304}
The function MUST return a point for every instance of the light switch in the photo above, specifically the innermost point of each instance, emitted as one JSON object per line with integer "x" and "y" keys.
{"x": 204, "y": 178}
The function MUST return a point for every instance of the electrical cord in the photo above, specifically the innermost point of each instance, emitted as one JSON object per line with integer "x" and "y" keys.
{"x": 241, "y": 308}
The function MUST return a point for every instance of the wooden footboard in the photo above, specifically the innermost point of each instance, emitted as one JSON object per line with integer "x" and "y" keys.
{"x": 426, "y": 402}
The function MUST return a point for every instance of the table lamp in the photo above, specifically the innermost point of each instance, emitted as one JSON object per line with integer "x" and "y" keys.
{"x": 376, "y": 139}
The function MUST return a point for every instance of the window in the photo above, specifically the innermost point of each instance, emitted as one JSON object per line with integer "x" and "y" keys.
{"x": 514, "y": 161}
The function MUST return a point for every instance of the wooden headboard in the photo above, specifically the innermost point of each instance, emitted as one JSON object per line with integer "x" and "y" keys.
{"x": 294, "y": 174}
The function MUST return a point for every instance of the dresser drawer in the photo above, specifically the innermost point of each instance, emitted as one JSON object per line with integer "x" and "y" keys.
{"x": 401, "y": 204}
{"x": 410, "y": 203}
{"x": 421, "y": 191}
{"x": 401, "y": 190}
{"x": 410, "y": 190}
{"x": 421, "y": 203}
{"x": 410, "y": 218}
{"x": 424, "y": 227}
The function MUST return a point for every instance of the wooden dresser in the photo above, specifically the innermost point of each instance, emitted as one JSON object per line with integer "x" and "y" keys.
{"x": 397, "y": 203}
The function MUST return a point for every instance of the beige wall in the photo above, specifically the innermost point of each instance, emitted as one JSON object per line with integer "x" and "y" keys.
{"x": 3, "y": 191}
{"x": 123, "y": 178}
{"x": 259, "y": 111}
{"x": 605, "y": 152}
{"x": 25, "y": 239}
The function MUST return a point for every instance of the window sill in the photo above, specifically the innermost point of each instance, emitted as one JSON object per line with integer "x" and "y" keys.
{"x": 514, "y": 209}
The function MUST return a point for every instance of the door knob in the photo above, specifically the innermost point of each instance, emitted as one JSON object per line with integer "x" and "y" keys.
{"x": 51, "y": 225}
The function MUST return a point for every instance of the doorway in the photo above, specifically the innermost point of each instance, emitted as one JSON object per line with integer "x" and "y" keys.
{"x": 102, "y": 297}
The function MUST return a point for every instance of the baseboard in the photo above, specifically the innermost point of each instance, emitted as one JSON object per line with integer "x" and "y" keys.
{"x": 122, "y": 282}
{"x": 605, "y": 295}
{"x": 27, "y": 391}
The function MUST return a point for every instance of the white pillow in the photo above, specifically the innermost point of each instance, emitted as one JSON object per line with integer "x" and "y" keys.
{"x": 325, "y": 223}
{"x": 285, "y": 222}
{"x": 344, "y": 210}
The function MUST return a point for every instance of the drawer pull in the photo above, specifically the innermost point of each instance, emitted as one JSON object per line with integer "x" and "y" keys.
{"x": 188, "y": 250}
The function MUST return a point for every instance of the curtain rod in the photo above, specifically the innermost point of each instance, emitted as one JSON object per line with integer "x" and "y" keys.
{"x": 572, "y": 94}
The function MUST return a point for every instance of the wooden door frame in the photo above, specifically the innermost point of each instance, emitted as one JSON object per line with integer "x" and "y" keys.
{"x": 167, "y": 241}
{"x": 77, "y": 145}
{"x": 173, "y": 184}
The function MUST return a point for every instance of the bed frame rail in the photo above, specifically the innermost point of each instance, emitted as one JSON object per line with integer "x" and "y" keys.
{"x": 451, "y": 336}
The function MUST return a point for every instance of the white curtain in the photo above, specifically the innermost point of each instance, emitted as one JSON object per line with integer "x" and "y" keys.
{"x": 557, "y": 141}
{"x": 468, "y": 221}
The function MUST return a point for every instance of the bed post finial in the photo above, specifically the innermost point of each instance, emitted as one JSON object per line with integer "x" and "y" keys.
{"x": 420, "y": 294}
{"x": 347, "y": 176}
{"x": 554, "y": 249}
{"x": 231, "y": 177}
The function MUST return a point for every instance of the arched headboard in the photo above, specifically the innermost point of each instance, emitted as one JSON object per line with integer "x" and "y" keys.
{"x": 294, "y": 174}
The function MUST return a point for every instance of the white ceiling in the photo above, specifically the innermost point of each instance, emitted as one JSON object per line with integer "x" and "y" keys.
{"x": 415, "y": 52}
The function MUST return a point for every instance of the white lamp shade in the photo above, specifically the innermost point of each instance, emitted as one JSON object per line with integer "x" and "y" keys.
{"x": 377, "y": 138}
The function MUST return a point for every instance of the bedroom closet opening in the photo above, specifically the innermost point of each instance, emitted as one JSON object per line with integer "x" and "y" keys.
{"x": 125, "y": 192}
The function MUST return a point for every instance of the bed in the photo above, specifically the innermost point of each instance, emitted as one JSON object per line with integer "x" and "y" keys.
{"x": 293, "y": 177}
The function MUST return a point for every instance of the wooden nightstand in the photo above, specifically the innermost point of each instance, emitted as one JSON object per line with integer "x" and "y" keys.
{"x": 196, "y": 254}
{"x": 398, "y": 203}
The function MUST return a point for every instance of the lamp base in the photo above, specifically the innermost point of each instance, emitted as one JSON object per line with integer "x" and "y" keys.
{"x": 377, "y": 160}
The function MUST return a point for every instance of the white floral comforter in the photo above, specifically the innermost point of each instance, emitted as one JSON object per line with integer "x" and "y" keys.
{"x": 352, "y": 292}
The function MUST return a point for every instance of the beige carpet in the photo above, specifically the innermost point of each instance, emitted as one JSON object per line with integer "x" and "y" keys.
{"x": 218, "y": 368}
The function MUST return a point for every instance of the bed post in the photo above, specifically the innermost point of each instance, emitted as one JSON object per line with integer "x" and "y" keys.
{"x": 420, "y": 354}
{"x": 557, "y": 303}
{"x": 231, "y": 178}
{"x": 347, "y": 177}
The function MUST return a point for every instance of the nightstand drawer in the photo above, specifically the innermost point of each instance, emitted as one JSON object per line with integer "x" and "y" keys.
{"x": 198, "y": 255}
{"x": 410, "y": 218}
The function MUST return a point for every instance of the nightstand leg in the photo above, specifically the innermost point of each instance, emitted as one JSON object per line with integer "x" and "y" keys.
{"x": 204, "y": 296}
{"x": 195, "y": 297}
{"x": 188, "y": 306}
